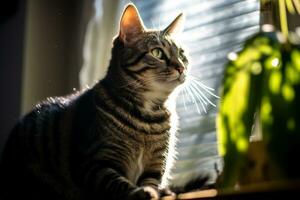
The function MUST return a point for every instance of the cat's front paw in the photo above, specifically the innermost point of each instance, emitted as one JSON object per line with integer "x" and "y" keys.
{"x": 144, "y": 193}
{"x": 166, "y": 192}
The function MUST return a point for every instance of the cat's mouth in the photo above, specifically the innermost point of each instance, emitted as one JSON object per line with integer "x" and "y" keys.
{"x": 179, "y": 79}
{"x": 180, "y": 74}
{"x": 173, "y": 78}
{"x": 182, "y": 78}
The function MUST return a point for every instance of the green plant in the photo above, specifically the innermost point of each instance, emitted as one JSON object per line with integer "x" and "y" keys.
{"x": 262, "y": 80}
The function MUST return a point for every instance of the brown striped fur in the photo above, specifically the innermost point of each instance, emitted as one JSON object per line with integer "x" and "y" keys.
{"x": 113, "y": 141}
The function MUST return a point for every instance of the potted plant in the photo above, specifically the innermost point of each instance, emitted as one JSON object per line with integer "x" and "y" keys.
{"x": 259, "y": 105}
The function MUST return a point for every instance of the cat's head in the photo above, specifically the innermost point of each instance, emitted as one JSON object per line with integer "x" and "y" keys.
{"x": 151, "y": 57}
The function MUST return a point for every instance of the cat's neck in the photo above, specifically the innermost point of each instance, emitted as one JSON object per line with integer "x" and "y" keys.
{"x": 148, "y": 98}
{"x": 145, "y": 99}
{"x": 153, "y": 100}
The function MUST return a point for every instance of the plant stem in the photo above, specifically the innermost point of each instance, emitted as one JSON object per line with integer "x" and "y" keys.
{"x": 283, "y": 18}
{"x": 290, "y": 7}
{"x": 297, "y": 5}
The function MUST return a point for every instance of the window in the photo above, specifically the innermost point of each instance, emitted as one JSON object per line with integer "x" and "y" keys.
{"x": 213, "y": 28}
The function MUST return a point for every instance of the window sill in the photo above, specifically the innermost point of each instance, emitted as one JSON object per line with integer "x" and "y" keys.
{"x": 268, "y": 190}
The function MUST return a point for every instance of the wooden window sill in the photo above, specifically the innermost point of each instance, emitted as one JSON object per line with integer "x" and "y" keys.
{"x": 263, "y": 191}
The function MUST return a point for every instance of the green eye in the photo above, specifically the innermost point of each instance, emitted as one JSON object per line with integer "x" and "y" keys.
{"x": 158, "y": 53}
{"x": 181, "y": 57}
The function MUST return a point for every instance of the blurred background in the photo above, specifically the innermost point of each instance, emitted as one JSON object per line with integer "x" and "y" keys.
{"x": 40, "y": 55}
{"x": 51, "y": 48}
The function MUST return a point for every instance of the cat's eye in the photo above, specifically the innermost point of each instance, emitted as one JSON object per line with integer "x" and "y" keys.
{"x": 181, "y": 56}
{"x": 157, "y": 53}
{"x": 183, "y": 59}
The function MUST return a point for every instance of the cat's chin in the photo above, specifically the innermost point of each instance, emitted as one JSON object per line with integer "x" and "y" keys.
{"x": 181, "y": 79}
{"x": 172, "y": 85}
{"x": 178, "y": 81}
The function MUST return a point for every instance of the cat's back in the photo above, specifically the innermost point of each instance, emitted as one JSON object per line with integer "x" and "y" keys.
{"x": 38, "y": 148}
{"x": 44, "y": 119}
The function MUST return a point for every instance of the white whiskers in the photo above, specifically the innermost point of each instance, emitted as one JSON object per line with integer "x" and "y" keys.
{"x": 192, "y": 91}
{"x": 198, "y": 93}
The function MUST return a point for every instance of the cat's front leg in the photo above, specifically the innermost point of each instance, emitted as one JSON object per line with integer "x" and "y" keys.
{"x": 107, "y": 182}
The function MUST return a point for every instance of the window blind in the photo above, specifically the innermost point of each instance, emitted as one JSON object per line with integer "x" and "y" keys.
{"x": 213, "y": 28}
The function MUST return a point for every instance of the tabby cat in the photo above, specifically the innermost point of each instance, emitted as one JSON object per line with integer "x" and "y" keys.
{"x": 112, "y": 141}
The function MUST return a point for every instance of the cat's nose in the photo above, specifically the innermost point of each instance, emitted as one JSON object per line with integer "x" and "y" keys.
{"x": 180, "y": 69}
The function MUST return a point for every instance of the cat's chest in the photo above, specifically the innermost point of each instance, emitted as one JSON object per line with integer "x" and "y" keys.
{"x": 151, "y": 152}
{"x": 136, "y": 166}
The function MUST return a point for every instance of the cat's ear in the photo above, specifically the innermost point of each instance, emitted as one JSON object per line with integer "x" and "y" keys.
{"x": 176, "y": 26}
{"x": 131, "y": 24}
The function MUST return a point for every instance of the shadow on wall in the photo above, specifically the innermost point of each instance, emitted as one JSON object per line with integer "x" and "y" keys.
{"x": 12, "y": 25}
{"x": 40, "y": 54}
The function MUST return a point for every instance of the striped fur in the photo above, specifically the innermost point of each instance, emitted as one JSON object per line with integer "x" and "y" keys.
{"x": 112, "y": 141}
